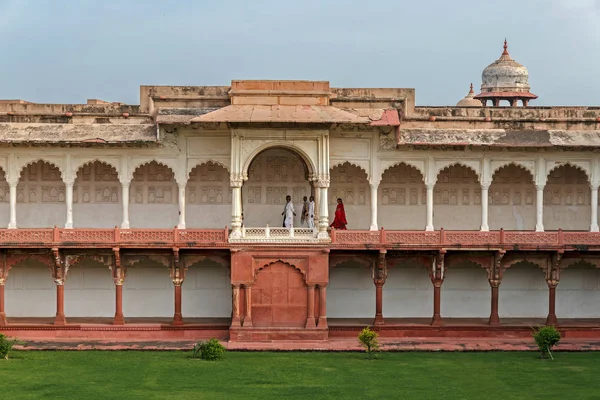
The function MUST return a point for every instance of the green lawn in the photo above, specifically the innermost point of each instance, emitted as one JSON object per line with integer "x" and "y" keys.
{"x": 172, "y": 375}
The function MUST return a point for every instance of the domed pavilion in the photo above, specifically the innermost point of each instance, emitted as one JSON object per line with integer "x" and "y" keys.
{"x": 505, "y": 79}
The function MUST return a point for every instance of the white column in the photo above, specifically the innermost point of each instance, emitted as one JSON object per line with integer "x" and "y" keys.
{"x": 236, "y": 210}
{"x": 317, "y": 194}
{"x": 374, "y": 187}
{"x": 594, "y": 218}
{"x": 125, "y": 200}
{"x": 429, "y": 226}
{"x": 181, "y": 224}
{"x": 323, "y": 212}
{"x": 484, "y": 208}
{"x": 539, "y": 201}
{"x": 69, "y": 203}
{"x": 12, "y": 224}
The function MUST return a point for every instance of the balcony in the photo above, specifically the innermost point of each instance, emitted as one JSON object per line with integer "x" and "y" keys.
{"x": 279, "y": 236}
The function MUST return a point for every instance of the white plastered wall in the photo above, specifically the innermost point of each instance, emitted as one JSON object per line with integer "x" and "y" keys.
{"x": 465, "y": 292}
{"x": 567, "y": 200}
{"x": 402, "y": 199}
{"x": 30, "y": 291}
{"x": 408, "y": 292}
{"x": 578, "y": 292}
{"x": 148, "y": 291}
{"x": 206, "y": 291}
{"x": 97, "y": 201}
{"x": 89, "y": 290}
{"x": 208, "y": 197}
{"x": 351, "y": 292}
{"x": 457, "y": 199}
{"x": 523, "y": 292}
{"x": 512, "y": 197}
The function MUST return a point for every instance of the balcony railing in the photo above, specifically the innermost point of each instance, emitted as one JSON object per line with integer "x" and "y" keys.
{"x": 442, "y": 237}
{"x": 339, "y": 238}
{"x": 276, "y": 235}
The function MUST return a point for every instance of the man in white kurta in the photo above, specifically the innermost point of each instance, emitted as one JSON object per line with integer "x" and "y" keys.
{"x": 311, "y": 213}
{"x": 288, "y": 213}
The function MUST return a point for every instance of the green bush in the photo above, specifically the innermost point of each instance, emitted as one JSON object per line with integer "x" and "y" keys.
{"x": 6, "y": 345}
{"x": 546, "y": 337}
{"x": 368, "y": 339}
{"x": 210, "y": 350}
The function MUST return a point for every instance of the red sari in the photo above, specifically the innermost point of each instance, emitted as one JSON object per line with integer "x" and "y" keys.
{"x": 339, "y": 222}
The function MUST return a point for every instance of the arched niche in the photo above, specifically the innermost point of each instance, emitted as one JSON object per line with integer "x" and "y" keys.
{"x": 148, "y": 290}
{"x": 351, "y": 293}
{"x": 41, "y": 196}
{"x": 457, "y": 199}
{"x": 402, "y": 198}
{"x": 511, "y": 199}
{"x": 349, "y": 182}
{"x": 567, "y": 199}
{"x": 523, "y": 292}
{"x": 153, "y": 197}
{"x": 90, "y": 290}
{"x": 408, "y": 292}
{"x": 206, "y": 292}
{"x": 208, "y": 197}
{"x": 466, "y": 291}
{"x": 97, "y": 201}
{"x": 274, "y": 174}
{"x": 30, "y": 290}
{"x": 578, "y": 293}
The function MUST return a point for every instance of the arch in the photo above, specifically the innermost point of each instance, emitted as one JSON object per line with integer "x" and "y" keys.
{"x": 452, "y": 164}
{"x": 162, "y": 162}
{"x": 567, "y": 164}
{"x": 517, "y": 164}
{"x": 569, "y": 263}
{"x": 83, "y": 162}
{"x": 23, "y": 166}
{"x": 341, "y": 260}
{"x": 406, "y": 163}
{"x": 279, "y": 260}
{"x": 351, "y": 164}
{"x": 534, "y": 263}
{"x": 196, "y": 164}
{"x": 308, "y": 162}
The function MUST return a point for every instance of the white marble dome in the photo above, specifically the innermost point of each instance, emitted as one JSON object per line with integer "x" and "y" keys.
{"x": 469, "y": 100}
{"x": 505, "y": 75}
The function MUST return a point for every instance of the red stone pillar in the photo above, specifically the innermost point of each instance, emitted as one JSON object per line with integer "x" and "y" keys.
{"x": 235, "y": 305}
{"x": 2, "y": 311}
{"x": 551, "y": 319}
{"x": 378, "y": 305}
{"x": 323, "y": 306}
{"x": 119, "y": 279}
{"x": 60, "y": 319}
{"x": 177, "y": 316}
{"x": 494, "y": 316}
{"x": 310, "y": 310}
{"x": 177, "y": 276}
{"x": 437, "y": 278}
{"x": 248, "y": 316}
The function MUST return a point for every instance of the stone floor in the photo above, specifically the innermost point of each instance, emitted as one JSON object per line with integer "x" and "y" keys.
{"x": 412, "y": 344}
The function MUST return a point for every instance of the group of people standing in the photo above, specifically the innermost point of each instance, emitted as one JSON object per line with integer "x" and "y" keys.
{"x": 308, "y": 213}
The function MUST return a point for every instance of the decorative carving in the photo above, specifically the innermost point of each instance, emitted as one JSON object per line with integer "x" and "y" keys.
{"x": 456, "y": 185}
{"x": 567, "y": 185}
{"x": 207, "y": 184}
{"x": 154, "y": 183}
{"x": 40, "y": 183}
{"x": 379, "y": 269}
{"x": 349, "y": 183}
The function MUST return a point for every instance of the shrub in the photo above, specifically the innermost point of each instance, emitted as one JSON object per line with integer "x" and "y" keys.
{"x": 210, "y": 350}
{"x": 368, "y": 339}
{"x": 546, "y": 337}
{"x": 6, "y": 345}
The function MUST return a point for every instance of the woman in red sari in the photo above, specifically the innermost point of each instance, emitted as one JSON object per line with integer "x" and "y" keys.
{"x": 339, "y": 222}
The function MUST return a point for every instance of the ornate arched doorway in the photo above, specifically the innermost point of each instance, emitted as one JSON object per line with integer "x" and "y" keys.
{"x": 279, "y": 297}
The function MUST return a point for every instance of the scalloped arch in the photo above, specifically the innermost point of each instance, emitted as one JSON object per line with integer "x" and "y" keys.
{"x": 159, "y": 162}
{"x": 516, "y": 164}
{"x": 455, "y": 164}
{"x": 83, "y": 163}
{"x": 33, "y": 161}
{"x": 361, "y": 260}
{"x": 524, "y": 262}
{"x": 569, "y": 164}
{"x": 568, "y": 263}
{"x": 312, "y": 168}
{"x": 279, "y": 260}
{"x": 340, "y": 163}
{"x": 408, "y": 164}
{"x": 191, "y": 167}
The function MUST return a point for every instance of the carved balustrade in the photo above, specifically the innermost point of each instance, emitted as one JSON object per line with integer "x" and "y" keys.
{"x": 277, "y": 235}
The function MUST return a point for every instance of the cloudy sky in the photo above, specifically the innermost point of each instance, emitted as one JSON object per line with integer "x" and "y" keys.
{"x": 60, "y": 51}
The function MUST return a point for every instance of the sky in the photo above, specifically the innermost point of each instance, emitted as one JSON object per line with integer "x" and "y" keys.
{"x": 58, "y": 51}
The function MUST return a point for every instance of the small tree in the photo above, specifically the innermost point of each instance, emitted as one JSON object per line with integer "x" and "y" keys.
{"x": 210, "y": 350}
{"x": 368, "y": 339}
{"x": 6, "y": 345}
{"x": 546, "y": 337}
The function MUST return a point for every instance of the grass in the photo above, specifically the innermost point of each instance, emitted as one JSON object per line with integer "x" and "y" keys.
{"x": 173, "y": 375}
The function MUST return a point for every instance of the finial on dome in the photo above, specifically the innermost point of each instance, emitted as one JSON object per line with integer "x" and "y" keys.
{"x": 505, "y": 52}
{"x": 471, "y": 91}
